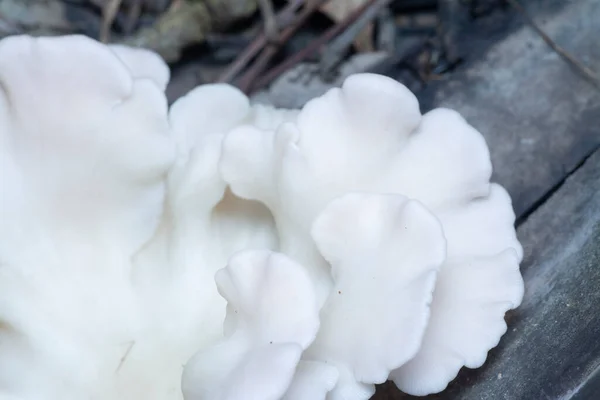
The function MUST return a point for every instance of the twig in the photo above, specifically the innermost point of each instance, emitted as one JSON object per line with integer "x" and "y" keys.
{"x": 109, "y": 13}
{"x": 250, "y": 76}
{"x": 243, "y": 59}
{"x": 271, "y": 29}
{"x": 283, "y": 18}
{"x": 585, "y": 71}
{"x": 335, "y": 50}
{"x": 314, "y": 46}
{"x": 133, "y": 16}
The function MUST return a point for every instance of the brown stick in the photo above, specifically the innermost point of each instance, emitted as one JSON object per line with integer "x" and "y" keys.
{"x": 314, "y": 46}
{"x": 250, "y": 76}
{"x": 283, "y": 18}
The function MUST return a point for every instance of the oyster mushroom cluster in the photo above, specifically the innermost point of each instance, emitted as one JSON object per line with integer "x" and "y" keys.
{"x": 221, "y": 250}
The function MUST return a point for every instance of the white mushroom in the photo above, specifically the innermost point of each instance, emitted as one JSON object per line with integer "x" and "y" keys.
{"x": 272, "y": 316}
{"x": 369, "y": 136}
{"x": 143, "y": 63}
{"x": 369, "y": 242}
{"x": 385, "y": 252}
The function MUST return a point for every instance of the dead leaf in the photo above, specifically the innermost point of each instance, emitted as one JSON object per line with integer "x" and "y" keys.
{"x": 338, "y": 10}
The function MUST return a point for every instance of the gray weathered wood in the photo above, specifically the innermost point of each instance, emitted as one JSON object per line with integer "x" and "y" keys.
{"x": 552, "y": 347}
{"x": 553, "y": 342}
{"x": 539, "y": 116}
{"x": 541, "y": 119}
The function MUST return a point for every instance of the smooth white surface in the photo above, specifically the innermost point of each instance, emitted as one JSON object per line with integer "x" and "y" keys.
{"x": 385, "y": 252}
{"x": 116, "y": 214}
{"x": 272, "y": 316}
{"x": 369, "y": 136}
{"x": 143, "y": 63}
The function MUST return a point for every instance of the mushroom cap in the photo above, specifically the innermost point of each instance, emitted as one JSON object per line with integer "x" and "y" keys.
{"x": 369, "y": 136}
{"x": 272, "y": 316}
